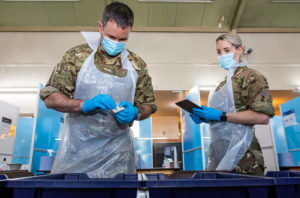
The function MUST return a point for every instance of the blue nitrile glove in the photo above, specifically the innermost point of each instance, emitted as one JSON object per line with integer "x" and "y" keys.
{"x": 196, "y": 118}
{"x": 207, "y": 113}
{"x": 128, "y": 114}
{"x": 100, "y": 101}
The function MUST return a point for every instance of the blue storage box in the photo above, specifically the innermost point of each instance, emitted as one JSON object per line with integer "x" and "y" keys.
{"x": 3, "y": 177}
{"x": 75, "y": 185}
{"x": 209, "y": 185}
{"x": 287, "y": 183}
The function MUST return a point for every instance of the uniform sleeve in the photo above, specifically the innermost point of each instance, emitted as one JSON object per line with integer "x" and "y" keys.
{"x": 144, "y": 91}
{"x": 259, "y": 97}
{"x": 63, "y": 77}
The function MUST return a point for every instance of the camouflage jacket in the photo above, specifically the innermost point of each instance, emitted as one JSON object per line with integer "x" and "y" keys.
{"x": 63, "y": 78}
{"x": 251, "y": 91}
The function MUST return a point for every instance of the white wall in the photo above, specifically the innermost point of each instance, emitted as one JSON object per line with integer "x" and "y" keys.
{"x": 175, "y": 60}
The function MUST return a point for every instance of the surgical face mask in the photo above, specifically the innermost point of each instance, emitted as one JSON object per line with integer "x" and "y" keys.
{"x": 227, "y": 61}
{"x": 112, "y": 47}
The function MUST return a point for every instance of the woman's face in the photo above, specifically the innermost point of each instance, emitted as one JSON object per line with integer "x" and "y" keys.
{"x": 225, "y": 47}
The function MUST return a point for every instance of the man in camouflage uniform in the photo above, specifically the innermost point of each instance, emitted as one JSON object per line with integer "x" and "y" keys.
{"x": 63, "y": 78}
{"x": 251, "y": 91}
{"x": 98, "y": 122}
{"x": 252, "y": 104}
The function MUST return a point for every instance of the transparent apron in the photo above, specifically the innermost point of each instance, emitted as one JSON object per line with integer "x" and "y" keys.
{"x": 96, "y": 143}
{"x": 229, "y": 141}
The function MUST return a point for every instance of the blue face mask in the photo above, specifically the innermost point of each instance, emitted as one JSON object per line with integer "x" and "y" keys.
{"x": 227, "y": 61}
{"x": 112, "y": 47}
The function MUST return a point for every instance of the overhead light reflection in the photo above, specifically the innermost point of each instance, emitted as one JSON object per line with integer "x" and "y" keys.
{"x": 177, "y": 91}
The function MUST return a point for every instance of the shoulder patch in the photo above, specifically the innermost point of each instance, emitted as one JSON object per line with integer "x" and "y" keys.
{"x": 264, "y": 93}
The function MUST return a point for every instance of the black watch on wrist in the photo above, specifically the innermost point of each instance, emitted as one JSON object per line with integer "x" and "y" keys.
{"x": 223, "y": 117}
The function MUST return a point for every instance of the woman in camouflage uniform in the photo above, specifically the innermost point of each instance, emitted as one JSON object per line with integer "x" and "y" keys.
{"x": 239, "y": 102}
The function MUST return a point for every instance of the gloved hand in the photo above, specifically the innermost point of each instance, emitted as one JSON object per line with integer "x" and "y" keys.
{"x": 196, "y": 118}
{"x": 128, "y": 114}
{"x": 207, "y": 113}
{"x": 100, "y": 101}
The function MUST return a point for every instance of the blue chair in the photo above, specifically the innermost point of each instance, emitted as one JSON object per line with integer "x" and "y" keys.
{"x": 46, "y": 163}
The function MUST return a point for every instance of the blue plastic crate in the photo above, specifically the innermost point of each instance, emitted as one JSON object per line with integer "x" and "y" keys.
{"x": 3, "y": 177}
{"x": 210, "y": 184}
{"x": 287, "y": 183}
{"x": 75, "y": 185}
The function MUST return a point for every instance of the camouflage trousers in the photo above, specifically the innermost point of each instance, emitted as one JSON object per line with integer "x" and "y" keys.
{"x": 253, "y": 162}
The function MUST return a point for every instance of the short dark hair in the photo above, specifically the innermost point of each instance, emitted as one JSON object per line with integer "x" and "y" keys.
{"x": 118, "y": 12}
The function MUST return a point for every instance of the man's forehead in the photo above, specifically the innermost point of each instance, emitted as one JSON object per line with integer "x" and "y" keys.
{"x": 115, "y": 24}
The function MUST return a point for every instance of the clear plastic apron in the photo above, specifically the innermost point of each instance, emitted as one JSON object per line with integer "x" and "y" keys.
{"x": 96, "y": 143}
{"x": 229, "y": 141}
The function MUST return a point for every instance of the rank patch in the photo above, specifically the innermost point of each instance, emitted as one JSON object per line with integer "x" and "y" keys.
{"x": 265, "y": 93}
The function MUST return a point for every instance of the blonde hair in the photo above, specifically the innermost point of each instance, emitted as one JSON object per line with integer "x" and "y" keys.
{"x": 234, "y": 39}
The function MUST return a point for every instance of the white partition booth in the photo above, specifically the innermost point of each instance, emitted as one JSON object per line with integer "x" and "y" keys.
{"x": 8, "y": 123}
